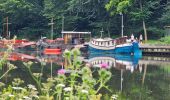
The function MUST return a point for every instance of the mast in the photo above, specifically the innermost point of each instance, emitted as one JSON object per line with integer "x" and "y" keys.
{"x": 7, "y": 27}
{"x": 122, "y": 24}
{"x": 121, "y": 87}
{"x": 51, "y": 69}
{"x": 52, "y": 27}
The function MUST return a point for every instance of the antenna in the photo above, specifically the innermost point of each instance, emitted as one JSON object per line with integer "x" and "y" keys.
{"x": 7, "y": 28}
{"x": 122, "y": 23}
{"x": 62, "y": 25}
{"x": 101, "y": 33}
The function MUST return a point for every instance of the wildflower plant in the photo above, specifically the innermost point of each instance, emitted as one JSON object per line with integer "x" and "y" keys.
{"x": 75, "y": 82}
{"x": 79, "y": 83}
{"x": 3, "y": 60}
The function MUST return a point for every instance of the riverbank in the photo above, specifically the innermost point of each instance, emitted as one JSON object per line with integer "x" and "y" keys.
{"x": 161, "y": 41}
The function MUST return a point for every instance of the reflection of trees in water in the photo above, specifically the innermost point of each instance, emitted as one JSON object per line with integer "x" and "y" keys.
{"x": 156, "y": 84}
{"x": 23, "y": 73}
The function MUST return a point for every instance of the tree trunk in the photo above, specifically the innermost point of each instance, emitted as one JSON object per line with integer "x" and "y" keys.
{"x": 143, "y": 22}
{"x": 144, "y": 74}
{"x": 145, "y": 32}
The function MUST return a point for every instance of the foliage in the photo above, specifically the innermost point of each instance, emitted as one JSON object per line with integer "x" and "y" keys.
{"x": 30, "y": 18}
{"x": 118, "y": 6}
{"x": 75, "y": 82}
{"x": 3, "y": 60}
{"x": 163, "y": 41}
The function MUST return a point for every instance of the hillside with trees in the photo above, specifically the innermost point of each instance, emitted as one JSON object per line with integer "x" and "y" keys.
{"x": 30, "y": 18}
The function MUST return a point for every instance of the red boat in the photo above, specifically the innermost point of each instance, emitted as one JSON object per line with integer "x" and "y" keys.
{"x": 16, "y": 43}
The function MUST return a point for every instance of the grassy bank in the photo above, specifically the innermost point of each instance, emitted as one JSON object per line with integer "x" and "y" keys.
{"x": 164, "y": 40}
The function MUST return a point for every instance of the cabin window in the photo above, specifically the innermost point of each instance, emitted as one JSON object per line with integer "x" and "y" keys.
{"x": 110, "y": 43}
{"x": 106, "y": 43}
{"x": 108, "y": 63}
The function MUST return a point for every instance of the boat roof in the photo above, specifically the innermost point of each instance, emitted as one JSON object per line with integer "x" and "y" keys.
{"x": 103, "y": 39}
{"x": 73, "y": 32}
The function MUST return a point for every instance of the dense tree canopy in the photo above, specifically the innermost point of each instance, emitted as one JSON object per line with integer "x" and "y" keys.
{"x": 30, "y": 18}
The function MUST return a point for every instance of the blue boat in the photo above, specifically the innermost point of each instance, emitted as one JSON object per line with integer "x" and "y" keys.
{"x": 116, "y": 46}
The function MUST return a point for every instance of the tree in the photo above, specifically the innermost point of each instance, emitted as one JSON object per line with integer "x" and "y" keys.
{"x": 117, "y": 6}
{"x": 25, "y": 16}
{"x": 147, "y": 12}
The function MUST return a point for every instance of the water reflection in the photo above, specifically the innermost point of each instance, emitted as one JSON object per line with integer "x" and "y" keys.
{"x": 117, "y": 61}
{"x": 34, "y": 56}
{"x": 146, "y": 78}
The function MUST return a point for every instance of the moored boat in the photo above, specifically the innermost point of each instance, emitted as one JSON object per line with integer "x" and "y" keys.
{"x": 117, "y": 46}
{"x": 16, "y": 43}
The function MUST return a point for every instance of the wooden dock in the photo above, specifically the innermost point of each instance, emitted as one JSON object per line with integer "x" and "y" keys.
{"x": 154, "y": 60}
{"x": 155, "y": 49}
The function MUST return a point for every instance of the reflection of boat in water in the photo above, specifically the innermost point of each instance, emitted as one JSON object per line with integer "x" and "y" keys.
{"x": 14, "y": 56}
{"x": 52, "y": 51}
{"x": 127, "y": 62}
{"x": 34, "y": 56}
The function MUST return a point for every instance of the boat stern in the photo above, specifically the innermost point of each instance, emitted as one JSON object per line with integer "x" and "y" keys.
{"x": 136, "y": 49}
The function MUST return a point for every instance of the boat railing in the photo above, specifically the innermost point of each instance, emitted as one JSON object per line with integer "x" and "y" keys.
{"x": 119, "y": 41}
{"x": 103, "y": 45}
{"x": 110, "y": 43}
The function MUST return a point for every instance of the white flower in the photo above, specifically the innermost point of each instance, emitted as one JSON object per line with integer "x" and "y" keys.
{"x": 34, "y": 89}
{"x": 17, "y": 88}
{"x": 67, "y": 89}
{"x": 31, "y": 87}
{"x": 36, "y": 96}
{"x": 11, "y": 95}
{"x": 60, "y": 85}
{"x": 14, "y": 88}
{"x": 27, "y": 98}
{"x": 114, "y": 97}
{"x": 84, "y": 91}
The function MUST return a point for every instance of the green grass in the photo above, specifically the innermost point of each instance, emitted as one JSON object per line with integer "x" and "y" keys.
{"x": 164, "y": 40}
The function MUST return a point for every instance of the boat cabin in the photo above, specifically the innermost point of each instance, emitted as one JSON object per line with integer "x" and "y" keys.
{"x": 103, "y": 42}
{"x": 72, "y": 37}
{"x": 108, "y": 42}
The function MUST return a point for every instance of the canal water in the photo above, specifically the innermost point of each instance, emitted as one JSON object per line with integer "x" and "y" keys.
{"x": 135, "y": 78}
